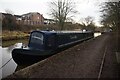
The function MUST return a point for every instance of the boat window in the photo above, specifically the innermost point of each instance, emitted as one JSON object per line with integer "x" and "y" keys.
{"x": 37, "y": 38}
{"x": 51, "y": 41}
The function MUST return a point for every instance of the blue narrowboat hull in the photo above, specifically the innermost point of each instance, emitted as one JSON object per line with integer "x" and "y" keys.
{"x": 43, "y": 44}
{"x": 28, "y": 56}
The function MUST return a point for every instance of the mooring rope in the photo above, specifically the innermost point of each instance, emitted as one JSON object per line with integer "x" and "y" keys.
{"x": 6, "y": 63}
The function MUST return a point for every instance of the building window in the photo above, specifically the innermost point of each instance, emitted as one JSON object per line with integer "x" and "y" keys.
{"x": 38, "y": 17}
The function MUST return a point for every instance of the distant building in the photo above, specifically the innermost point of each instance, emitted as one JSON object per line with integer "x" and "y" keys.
{"x": 6, "y": 15}
{"x": 18, "y": 19}
{"x": 33, "y": 18}
{"x": 68, "y": 23}
{"x": 49, "y": 21}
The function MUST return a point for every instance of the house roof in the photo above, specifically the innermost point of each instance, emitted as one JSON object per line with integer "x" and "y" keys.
{"x": 18, "y": 16}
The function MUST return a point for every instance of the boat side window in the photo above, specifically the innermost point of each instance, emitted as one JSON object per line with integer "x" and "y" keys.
{"x": 51, "y": 41}
{"x": 37, "y": 38}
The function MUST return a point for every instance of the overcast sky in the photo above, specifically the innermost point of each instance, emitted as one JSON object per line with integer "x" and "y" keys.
{"x": 84, "y": 7}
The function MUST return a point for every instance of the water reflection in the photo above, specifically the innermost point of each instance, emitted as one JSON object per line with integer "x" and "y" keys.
{"x": 0, "y": 62}
{"x": 8, "y": 65}
{"x": 97, "y": 34}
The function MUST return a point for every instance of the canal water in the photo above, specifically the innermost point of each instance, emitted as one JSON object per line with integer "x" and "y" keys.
{"x": 7, "y": 64}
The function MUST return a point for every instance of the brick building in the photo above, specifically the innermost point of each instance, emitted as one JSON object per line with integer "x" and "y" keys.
{"x": 32, "y": 18}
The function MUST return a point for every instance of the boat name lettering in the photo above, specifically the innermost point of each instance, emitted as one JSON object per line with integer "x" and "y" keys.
{"x": 73, "y": 37}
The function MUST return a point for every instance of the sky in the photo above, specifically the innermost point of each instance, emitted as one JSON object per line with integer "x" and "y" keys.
{"x": 84, "y": 7}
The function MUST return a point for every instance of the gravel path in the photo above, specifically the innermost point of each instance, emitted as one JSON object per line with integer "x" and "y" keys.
{"x": 81, "y": 61}
{"x": 110, "y": 69}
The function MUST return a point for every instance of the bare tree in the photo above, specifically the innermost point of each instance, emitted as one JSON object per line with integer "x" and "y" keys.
{"x": 9, "y": 21}
{"x": 88, "y": 23}
{"x": 111, "y": 17}
{"x": 61, "y": 10}
{"x": 88, "y": 20}
{"x": 8, "y": 11}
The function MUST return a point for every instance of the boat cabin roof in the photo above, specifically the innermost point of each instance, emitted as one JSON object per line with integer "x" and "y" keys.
{"x": 58, "y": 32}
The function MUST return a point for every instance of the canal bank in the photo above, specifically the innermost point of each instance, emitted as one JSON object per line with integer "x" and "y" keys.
{"x": 81, "y": 61}
{"x": 13, "y": 42}
{"x": 14, "y": 35}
